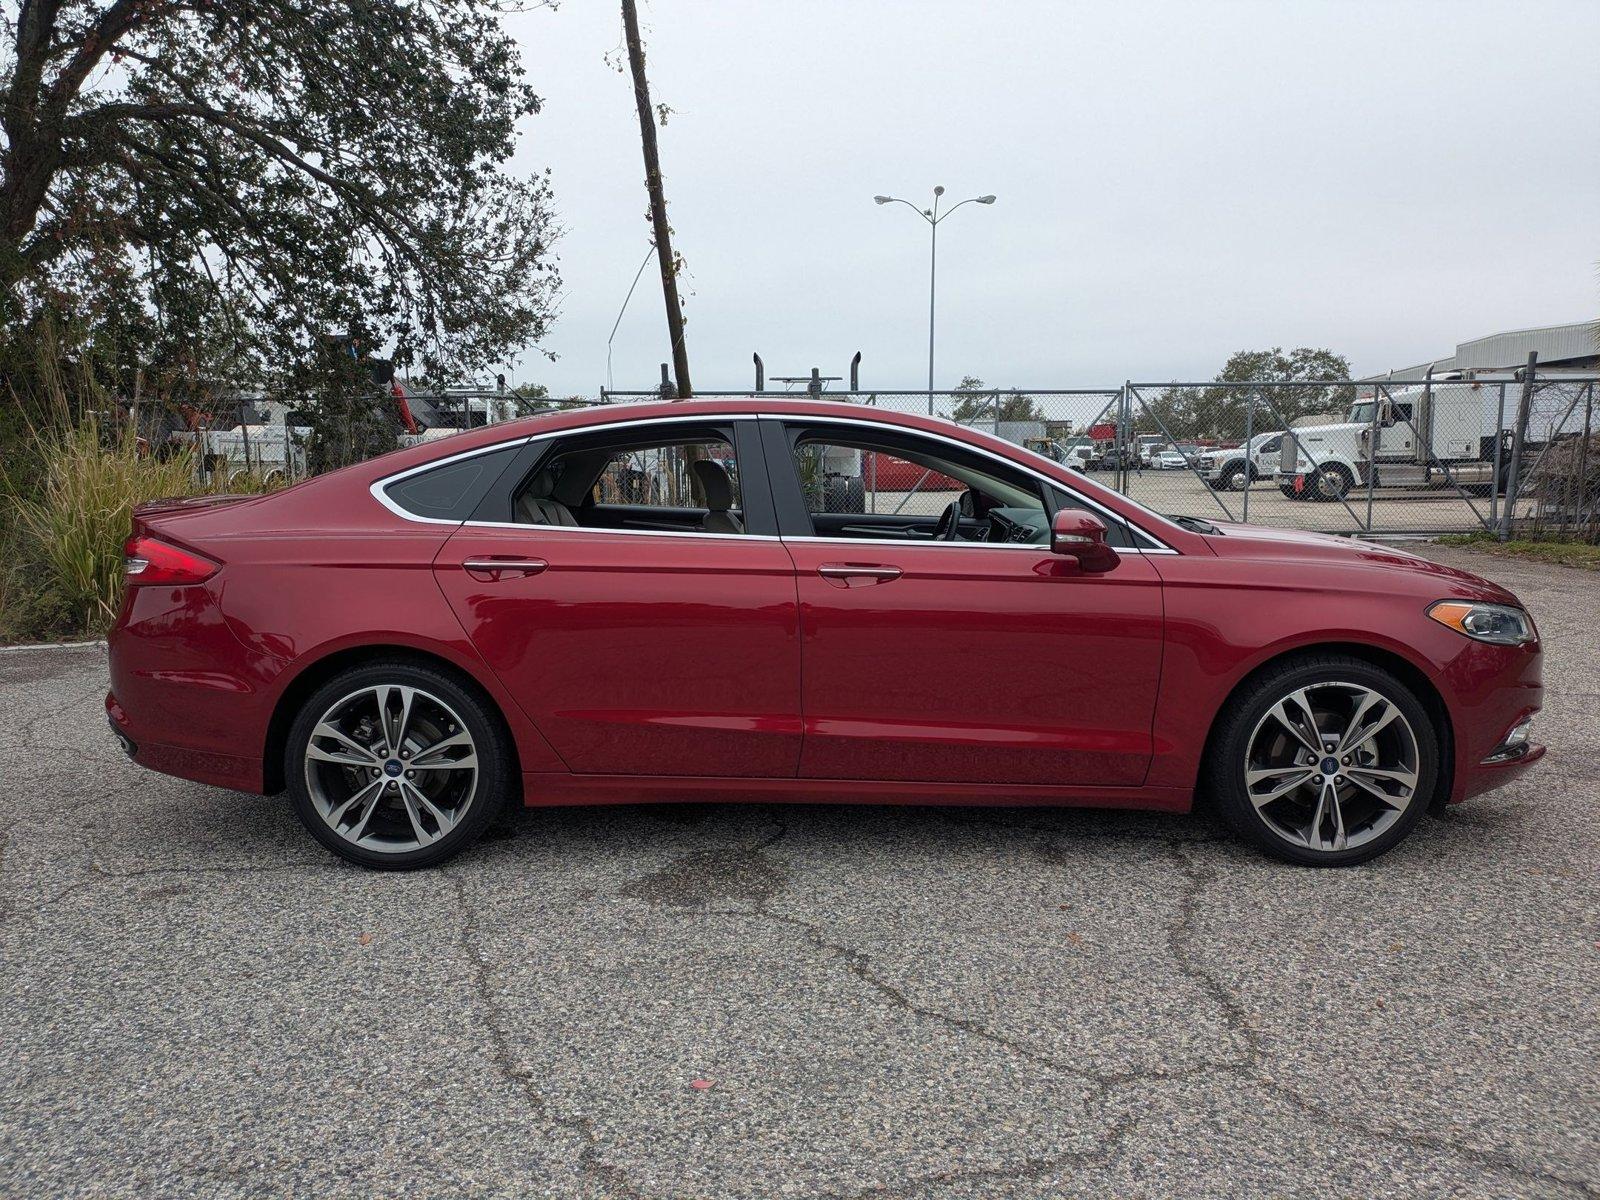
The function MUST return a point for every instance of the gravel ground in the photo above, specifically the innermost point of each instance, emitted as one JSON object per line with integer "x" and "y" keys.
{"x": 724, "y": 1001}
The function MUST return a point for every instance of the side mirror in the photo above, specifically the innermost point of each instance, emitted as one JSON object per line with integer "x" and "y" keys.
{"x": 1082, "y": 536}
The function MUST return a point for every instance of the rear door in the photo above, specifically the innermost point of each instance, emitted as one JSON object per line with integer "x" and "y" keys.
{"x": 636, "y": 640}
{"x": 957, "y": 660}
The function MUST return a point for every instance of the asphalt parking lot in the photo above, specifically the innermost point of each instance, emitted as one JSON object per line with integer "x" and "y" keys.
{"x": 723, "y": 1001}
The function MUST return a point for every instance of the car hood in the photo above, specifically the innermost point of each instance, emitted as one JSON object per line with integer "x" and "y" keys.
{"x": 1295, "y": 546}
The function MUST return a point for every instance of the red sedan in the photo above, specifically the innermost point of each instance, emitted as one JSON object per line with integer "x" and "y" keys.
{"x": 714, "y": 599}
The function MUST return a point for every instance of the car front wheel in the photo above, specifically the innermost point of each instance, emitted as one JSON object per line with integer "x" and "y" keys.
{"x": 1326, "y": 761}
{"x": 396, "y": 765}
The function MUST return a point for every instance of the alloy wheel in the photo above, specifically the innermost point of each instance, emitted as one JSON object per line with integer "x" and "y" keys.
{"x": 1332, "y": 766}
{"x": 391, "y": 768}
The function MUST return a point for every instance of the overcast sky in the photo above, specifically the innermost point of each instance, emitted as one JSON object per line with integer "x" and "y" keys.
{"x": 1176, "y": 181}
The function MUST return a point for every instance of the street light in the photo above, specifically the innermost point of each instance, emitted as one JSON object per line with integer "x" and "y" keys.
{"x": 932, "y": 216}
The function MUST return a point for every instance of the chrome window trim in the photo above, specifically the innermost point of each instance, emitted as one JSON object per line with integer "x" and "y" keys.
{"x": 929, "y": 543}
{"x": 596, "y": 530}
{"x": 1160, "y": 547}
{"x": 377, "y": 487}
{"x": 382, "y": 497}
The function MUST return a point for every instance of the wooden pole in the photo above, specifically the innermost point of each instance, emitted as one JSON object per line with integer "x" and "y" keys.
{"x": 658, "y": 200}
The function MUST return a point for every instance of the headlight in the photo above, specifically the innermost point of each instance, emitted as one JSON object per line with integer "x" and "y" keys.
{"x": 1497, "y": 623}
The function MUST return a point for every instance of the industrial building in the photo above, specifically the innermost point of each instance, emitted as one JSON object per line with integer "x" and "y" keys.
{"x": 1574, "y": 347}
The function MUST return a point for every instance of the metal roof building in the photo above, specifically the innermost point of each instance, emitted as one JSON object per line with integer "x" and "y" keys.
{"x": 1565, "y": 347}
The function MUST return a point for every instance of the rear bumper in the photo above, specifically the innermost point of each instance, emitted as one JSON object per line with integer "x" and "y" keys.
{"x": 230, "y": 771}
{"x": 185, "y": 695}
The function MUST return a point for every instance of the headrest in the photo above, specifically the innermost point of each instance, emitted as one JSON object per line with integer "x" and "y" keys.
{"x": 542, "y": 484}
{"x": 715, "y": 486}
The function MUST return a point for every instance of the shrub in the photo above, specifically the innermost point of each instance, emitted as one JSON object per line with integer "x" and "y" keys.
{"x": 93, "y": 478}
{"x": 75, "y": 514}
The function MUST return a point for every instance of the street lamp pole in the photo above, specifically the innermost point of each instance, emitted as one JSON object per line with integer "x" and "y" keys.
{"x": 932, "y": 216}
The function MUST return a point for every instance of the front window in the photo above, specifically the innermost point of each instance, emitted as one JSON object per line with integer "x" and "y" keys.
{"x": 907, "y": 488}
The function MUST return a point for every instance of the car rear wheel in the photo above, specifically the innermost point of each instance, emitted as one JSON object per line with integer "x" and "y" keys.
{"x": 396, "y": 766}
{"x": 1324, "y": 762}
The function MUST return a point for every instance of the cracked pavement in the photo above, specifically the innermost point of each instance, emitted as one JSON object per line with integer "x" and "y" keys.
{"x": 750, "y": 1001}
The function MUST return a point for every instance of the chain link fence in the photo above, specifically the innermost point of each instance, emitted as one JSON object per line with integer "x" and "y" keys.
{"x": 1511, "y": 453}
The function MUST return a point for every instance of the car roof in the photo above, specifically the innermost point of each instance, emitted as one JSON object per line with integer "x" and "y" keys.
{"x": 727, "y": 406}
{"x": 597, "y": 416}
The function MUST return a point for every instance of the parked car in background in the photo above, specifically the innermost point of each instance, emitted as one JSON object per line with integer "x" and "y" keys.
{"x": 408, "y": 645}
{"x": 1168, "y": 460}
{"x": 1233, "y": 470}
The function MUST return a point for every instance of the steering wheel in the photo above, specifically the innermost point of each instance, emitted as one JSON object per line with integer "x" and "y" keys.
{"x": 949, "y": 527}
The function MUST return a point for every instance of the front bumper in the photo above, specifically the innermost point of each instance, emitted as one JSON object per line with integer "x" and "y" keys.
{"x": 1503, "y": 692}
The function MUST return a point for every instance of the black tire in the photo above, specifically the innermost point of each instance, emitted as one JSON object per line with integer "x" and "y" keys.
{"x": 1227, "y": 754}
{"x": 493, "y": 787}
{"x": 1331, "y": 483}
{"x": 1232, "y": 479}
{"x": 1287, "y": 488}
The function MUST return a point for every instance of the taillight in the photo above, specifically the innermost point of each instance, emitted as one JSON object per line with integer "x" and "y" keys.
{"x": 149, "y": 560}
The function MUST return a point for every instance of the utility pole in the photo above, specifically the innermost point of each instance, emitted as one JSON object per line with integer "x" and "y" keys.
{"x": 658, "y": 199}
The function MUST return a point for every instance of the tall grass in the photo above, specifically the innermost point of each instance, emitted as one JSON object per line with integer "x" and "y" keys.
{"x": 69, "y": 513}
{"x": 76, "y": 524}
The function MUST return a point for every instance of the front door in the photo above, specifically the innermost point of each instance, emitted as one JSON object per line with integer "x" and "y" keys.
{"x": 640, "y": 611}
{"x": 941, "y": 640}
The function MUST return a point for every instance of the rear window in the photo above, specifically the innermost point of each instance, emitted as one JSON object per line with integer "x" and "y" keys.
{"x": 450, "y": 492}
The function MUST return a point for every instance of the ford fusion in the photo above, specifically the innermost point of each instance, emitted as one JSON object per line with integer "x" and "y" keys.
{"x": 797, "y": 600}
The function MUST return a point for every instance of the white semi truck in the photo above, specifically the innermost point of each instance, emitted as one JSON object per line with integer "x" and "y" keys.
{"x": 1426, "y": 435}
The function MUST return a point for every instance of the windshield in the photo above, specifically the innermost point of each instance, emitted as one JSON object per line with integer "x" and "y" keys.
{"x": 1361, "y": 414}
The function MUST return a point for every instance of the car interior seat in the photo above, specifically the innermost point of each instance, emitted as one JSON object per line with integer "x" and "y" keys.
{"x": 717, "y": 491}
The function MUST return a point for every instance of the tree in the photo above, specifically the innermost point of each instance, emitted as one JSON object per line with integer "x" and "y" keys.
{"x": 975, "y": 403}
{"x": 320, "y": 166}
{"x": 353, "y": 417}
{"x": 1219, "y": 410}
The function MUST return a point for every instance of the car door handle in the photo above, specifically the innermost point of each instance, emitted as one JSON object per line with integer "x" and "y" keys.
{"x": 493, "y": 569}
{"x": 849, "y": 571}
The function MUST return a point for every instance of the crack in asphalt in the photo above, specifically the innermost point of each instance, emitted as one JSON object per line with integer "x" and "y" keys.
{"x": 99, "y": 872}
{"x": 502, "y": 1055}
{"x": 1029, "y": 1169}
{"x": 1253, "y": 1066}
{"x": 27, "y": 739}
{"x": 1249, "y": 1063}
